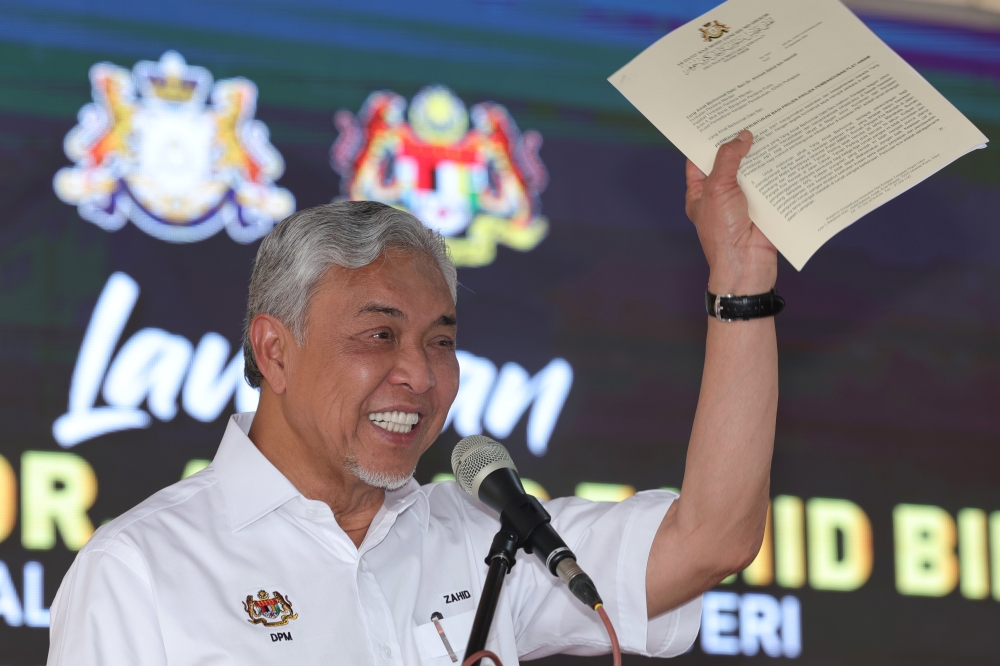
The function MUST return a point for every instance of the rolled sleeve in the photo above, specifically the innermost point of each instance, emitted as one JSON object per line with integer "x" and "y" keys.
{"x": 612, "y": 542}
{"x": 666, "y": 635}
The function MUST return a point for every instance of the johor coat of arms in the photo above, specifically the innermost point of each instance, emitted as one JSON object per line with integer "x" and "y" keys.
{"x": 270, "y": 611}
{"x": 477, "y": 187}
{"x": 152, "y": 149}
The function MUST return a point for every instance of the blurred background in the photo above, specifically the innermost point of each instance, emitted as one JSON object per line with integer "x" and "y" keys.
{"x": 145, "y": 147}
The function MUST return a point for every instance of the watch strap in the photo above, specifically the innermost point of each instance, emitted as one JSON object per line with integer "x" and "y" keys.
{"x": 727, "y": 307}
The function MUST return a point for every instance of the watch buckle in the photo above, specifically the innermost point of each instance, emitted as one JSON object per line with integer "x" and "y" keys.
{"x": 718, "y": 307}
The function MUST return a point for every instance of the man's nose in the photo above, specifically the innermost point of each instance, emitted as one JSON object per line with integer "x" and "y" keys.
{"x": 413, "y": 369}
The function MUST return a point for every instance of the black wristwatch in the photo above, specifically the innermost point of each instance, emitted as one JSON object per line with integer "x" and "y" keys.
{"x": 726, "y": 307}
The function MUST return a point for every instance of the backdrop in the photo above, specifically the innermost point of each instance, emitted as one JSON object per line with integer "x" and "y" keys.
{"x": 146, "y": 147}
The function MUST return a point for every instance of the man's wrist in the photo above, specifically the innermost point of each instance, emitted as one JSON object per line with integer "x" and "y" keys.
{"x": 748, "y": 284}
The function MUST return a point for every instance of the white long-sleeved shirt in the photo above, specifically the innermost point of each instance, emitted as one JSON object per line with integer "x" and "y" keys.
{"x": 234, "y": 566}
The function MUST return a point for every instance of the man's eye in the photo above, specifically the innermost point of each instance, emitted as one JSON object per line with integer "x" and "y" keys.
{"x": 383, "y": 335}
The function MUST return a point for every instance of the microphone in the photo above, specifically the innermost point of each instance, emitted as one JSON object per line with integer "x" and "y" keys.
{"x": 484, "y": 469}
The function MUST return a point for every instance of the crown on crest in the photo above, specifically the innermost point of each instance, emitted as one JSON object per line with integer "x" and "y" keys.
{"x": 172, "y": 79}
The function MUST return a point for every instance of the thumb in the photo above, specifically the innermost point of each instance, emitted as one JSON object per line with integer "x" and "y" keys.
{"x": 727, "y": 160}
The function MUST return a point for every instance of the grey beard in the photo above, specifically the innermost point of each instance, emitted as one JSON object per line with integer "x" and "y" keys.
{"x": 376, "y": 478}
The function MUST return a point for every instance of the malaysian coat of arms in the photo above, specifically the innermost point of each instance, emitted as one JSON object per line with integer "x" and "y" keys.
{"x": 270, "y": 610}
{"x": 178, "y": 155}
{"x": 713, "y": 30}
{"x": 478, "y": 186}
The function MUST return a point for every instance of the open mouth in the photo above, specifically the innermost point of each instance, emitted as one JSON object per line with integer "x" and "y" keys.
{"x": 401, "y": 422}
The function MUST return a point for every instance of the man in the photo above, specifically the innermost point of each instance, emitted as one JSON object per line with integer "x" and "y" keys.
{"x": 306, "y": 540}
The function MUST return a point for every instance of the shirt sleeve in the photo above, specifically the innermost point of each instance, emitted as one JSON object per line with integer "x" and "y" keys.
{"x": 104, "y": 612}
{"x": 612, "y": 543}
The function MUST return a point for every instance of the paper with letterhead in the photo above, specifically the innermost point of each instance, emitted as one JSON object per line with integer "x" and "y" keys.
{"x": 841, "y": 123}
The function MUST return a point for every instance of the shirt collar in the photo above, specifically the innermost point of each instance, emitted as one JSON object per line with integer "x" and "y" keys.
{"x": 412, "y": 495}
{"x": 253, "y": 487}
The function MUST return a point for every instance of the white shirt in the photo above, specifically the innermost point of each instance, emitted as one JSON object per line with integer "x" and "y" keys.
{"x": 182, "y": 578}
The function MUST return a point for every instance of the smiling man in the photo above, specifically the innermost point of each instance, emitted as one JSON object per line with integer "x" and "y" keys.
{"x": 355, "y": 353}
{"x": 307, "y": 540}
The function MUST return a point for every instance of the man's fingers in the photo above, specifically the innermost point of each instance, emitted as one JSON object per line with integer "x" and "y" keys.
{"x": 695, "y": 183}
{"x": 693, "y": 173}
{"x": 727, "y": 160}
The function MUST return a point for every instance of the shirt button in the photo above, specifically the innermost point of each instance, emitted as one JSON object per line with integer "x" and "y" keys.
{"x": 387, "y": 652}
{"x": 311, "y": 512}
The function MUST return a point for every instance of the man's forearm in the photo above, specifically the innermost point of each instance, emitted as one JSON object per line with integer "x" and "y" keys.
{"x": 717, "y": 525}
{"x": 727, "y": 477}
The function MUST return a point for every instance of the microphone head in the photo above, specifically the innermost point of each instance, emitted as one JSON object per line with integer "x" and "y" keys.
{"x": 473, "y": 458}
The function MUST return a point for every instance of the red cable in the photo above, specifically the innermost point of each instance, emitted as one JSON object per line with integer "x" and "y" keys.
{"x": 476, "y": 656}
{"x": 616, "y": 649}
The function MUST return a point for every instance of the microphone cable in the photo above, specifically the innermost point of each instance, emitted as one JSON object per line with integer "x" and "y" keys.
{"x": 482, "y": 654}
{"x": 616, "y": 649}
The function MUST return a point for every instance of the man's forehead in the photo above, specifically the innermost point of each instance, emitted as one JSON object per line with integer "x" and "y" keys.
{"x": 392, "y": 267}
{"x": 395, "y": 287}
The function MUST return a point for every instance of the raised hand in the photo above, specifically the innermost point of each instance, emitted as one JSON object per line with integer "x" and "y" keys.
{"x": 741, "y": 260}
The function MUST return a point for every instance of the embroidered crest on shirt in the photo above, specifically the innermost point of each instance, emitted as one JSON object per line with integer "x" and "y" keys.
{"x": 270, "y": 611}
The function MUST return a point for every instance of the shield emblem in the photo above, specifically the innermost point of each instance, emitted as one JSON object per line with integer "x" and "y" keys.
{"x": 270, "y": 610}
{"x": 469, "y": 174}
{"x": 713, "y": 30}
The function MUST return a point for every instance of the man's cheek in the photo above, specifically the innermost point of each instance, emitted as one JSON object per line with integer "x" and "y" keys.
{"x": 448, "y": 379}
{"x": 365, "y": 371}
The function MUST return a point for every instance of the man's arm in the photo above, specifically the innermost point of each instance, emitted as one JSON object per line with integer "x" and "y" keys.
{"x": 104, "y": 613}
{"x": 716, "y": 527}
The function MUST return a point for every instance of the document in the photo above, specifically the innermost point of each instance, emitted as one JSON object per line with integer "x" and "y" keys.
{"x": 841, "y": 123}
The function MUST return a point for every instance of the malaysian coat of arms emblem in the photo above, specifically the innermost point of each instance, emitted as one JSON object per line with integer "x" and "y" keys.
{"x": 713, "y": 30}
{"x": 274, "y": 610}
{"x": 477, "y": 186}
{"x": 178, "y": 155}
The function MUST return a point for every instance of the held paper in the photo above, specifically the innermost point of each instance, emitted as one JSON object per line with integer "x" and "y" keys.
{"x": 841, "y": 123}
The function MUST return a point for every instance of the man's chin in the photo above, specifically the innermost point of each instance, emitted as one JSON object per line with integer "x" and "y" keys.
{"x": 377, "y": 478}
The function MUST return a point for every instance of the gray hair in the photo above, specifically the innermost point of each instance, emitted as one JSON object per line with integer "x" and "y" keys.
{"x": 305, "y": 245}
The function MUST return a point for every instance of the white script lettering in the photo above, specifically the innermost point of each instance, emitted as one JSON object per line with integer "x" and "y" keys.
{"x": 155, "y": 367}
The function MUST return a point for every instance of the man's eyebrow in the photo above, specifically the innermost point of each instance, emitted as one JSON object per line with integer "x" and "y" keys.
{"x": 382, "y": 309}
{"x": 389, "y": 311}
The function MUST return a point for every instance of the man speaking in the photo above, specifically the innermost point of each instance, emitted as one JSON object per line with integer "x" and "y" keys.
{"x": 307, "y": 541}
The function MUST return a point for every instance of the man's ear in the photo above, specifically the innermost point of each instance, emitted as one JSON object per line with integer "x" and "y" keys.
{"x": 270, "y": 340}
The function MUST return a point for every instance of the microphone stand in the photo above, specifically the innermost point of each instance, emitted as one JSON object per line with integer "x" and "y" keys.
{"x": 501, "y": 560}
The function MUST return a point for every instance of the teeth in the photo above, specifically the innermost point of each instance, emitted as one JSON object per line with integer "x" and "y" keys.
{"x": 395, "y": 417}
{"x": 394, "y": 427}
{"x": 395, "y": 421}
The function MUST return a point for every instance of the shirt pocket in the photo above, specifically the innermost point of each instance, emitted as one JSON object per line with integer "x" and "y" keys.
{"x": 431, "y": 646}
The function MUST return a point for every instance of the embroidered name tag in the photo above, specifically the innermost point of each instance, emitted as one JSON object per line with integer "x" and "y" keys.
{"x": 461, "y": 595}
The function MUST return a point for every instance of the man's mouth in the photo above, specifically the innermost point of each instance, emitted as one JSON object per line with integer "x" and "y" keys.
{"x": 401, "y": 422}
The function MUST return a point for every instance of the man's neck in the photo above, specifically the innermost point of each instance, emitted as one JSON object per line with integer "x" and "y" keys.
{"x": 353, "y": 502}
